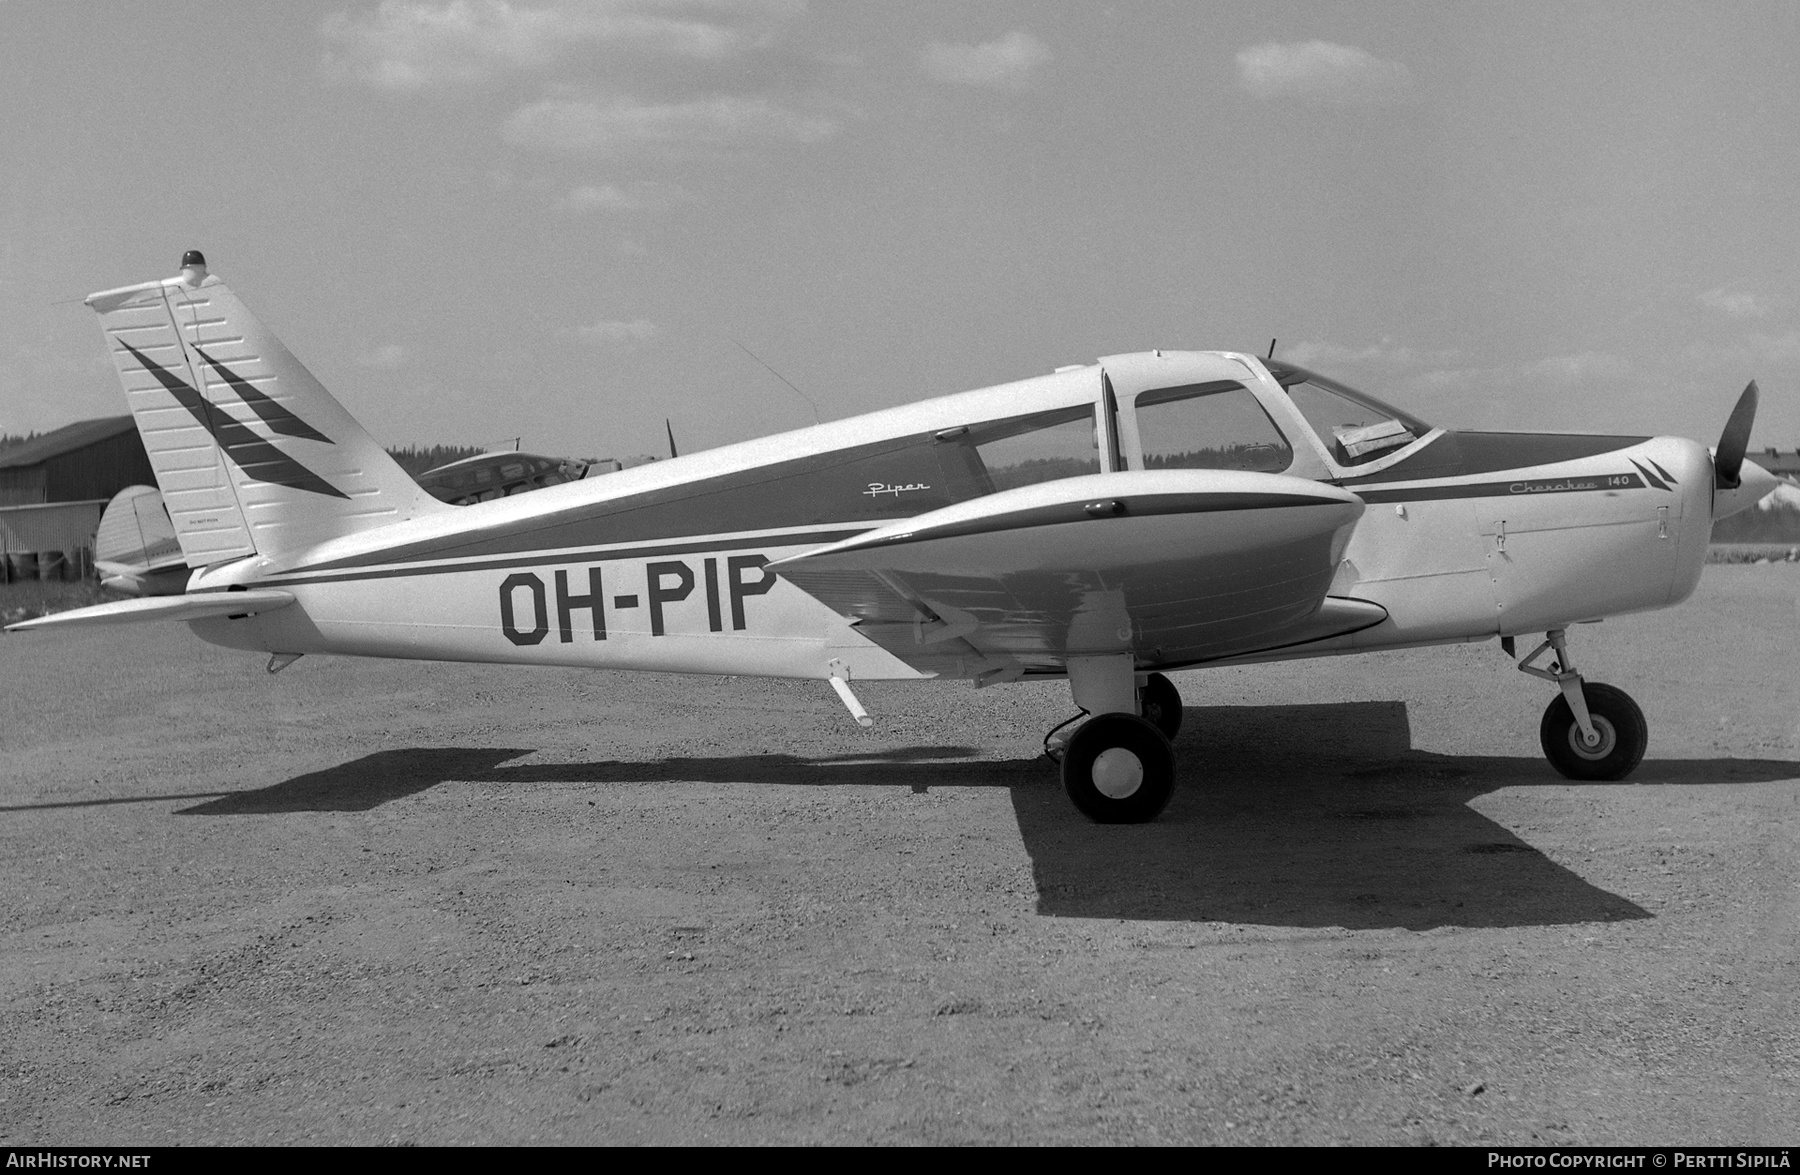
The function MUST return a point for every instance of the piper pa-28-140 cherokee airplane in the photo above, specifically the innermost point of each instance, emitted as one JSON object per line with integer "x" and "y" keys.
{"x": 1104, "y": 523}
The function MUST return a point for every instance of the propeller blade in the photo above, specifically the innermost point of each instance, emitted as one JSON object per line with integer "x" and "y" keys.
{"x": 1728, "y": 460}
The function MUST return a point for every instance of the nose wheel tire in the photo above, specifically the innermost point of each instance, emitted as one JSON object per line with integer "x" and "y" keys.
{"x": 1119, "y": 769}
{"x": 1623, "y": 735}
{"x": 1161, "y": 704}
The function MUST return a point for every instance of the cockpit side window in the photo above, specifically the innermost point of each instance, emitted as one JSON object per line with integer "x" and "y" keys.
{"x": 1019, "y": 451}
{"x": 1216, "y": 425}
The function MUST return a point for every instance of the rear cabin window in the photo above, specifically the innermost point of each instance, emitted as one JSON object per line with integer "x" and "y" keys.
{"x": 1209, "y": 426}
{"x": 1019, "y": 451}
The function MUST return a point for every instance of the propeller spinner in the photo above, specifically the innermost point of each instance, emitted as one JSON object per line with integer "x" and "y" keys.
{"x": 1728, "y": 460}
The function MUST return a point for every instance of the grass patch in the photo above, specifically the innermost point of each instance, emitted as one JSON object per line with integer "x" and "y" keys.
{"x": 1781, "y": 524}
{"x": 1753, "y": 553}
{"x": 34, "y": 598}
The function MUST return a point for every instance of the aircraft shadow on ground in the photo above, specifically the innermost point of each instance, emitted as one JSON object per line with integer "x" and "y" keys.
{"x": 1324, "y": 815}
{"x": 365, "y": 783}
{"x": 1309, "y": 816}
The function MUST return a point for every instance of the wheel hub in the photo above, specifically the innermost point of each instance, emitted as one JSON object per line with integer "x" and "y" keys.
{"x": 1601, "y": 747}
{"x": 1118, "y": 773}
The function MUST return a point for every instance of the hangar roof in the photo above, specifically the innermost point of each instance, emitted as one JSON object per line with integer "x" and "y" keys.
{"x": 66, "y": 439}
{"x": 1779, "y": 463}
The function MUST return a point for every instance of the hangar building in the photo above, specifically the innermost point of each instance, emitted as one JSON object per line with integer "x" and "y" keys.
{"x": 1779, "y": 462}
{"x": 54, "y": 487}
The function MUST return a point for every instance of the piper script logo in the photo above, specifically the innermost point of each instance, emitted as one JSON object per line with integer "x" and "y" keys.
{"x": 878, "y": 488}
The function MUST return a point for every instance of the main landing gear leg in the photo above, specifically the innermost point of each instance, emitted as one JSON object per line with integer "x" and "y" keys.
{"x": 1592, "y": 731}
{"x": 1118, "y": 767}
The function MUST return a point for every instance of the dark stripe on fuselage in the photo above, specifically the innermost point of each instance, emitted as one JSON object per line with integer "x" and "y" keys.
{"x": 1137, "y": 505}
{"x": 566, "y": 558}
{"x": 259, "y": 459}
{"x": 821, "y": 489}
{"x": 1129, "y": 506}
{"x": 1518, "y": 487}
{"x": 1467, "y": 454}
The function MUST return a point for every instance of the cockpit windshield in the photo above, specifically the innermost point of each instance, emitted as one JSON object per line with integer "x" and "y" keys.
{"x": 1356, "y": 427}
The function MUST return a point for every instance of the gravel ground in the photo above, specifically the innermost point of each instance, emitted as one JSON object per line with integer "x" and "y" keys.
{"x": 386, "y": 902}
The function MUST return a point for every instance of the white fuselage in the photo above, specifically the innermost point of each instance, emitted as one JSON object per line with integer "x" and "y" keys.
{"x": 1454, "y": 557}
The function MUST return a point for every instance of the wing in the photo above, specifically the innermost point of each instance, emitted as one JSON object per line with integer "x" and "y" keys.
{"x": 1173, "y": 566}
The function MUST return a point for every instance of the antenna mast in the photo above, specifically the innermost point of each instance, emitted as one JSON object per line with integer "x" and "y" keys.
{"x": 781, "y": 377}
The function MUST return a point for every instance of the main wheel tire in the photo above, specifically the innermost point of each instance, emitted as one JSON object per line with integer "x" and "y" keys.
{"x": 1119, "y": 769}
{"x": 1160, "y": 702}
{"x": 1619, "y": 723}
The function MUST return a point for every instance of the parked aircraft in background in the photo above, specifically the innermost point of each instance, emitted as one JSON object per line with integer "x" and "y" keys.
{"x": 136, "y": 551}
{"x": 1103, "y": 524}
{"x": 138, "y": 554}
{"x": 487, "y": 476}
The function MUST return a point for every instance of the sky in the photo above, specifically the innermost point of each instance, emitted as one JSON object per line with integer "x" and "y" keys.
{"x": 567, "y": 220}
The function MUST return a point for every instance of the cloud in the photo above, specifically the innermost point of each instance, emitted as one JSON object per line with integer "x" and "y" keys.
{"x": 1007, "y": 62}
{"x": 387, "y": 357}
{"x": 568, "y": 126}
{"x": 598, "y": 197}
{"x": 623, "y": 198}
{"x": 1319, "y": 71}
{"x": 615, "y": 333}
{"x": 405, "y": 45}
{"x": 1733, "y": 305}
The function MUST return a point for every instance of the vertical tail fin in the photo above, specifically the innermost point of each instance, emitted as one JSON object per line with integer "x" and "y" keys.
{"x": 252, "y": 454}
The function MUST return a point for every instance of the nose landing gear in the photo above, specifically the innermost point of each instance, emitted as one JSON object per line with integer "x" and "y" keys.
{"x": 1592, "y": 731}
